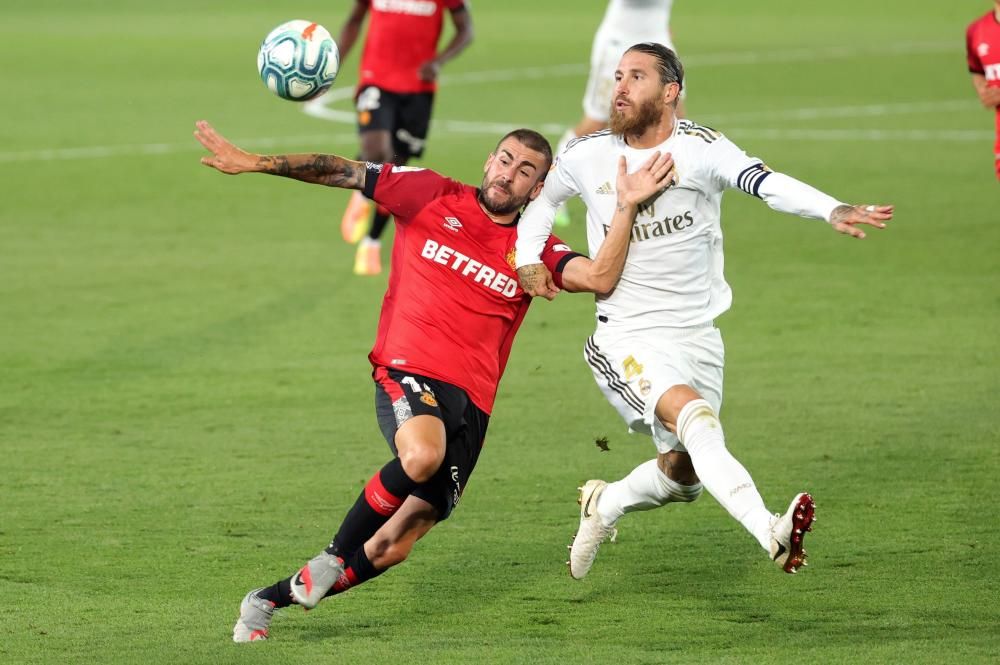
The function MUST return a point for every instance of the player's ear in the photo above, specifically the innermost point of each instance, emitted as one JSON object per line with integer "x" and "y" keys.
{"x": 489, "y": 160}
{"x": 671, "y": 92}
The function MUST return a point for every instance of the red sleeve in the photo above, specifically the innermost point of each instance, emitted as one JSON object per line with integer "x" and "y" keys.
{"x": 405, "y": 190}
{"x": 975, "y": 64}
{"x": 454, "y": 5}
{"x": 555, "y": 256}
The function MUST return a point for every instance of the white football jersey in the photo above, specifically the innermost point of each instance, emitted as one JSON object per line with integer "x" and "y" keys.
{"x": 637, "y": 16}
{"x": 673, "y": 275}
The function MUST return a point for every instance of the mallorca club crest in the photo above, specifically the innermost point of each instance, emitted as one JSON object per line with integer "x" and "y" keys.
{"x": 512, "y": 258}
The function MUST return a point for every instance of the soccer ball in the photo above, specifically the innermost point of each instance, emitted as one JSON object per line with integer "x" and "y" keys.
{"x": 298, "y": 60}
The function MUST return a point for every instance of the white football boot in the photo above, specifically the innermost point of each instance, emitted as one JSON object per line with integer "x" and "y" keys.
{"x": 592, "y": 531}
{"x": 310, "y": 584}
{"x": 788, "y": 532}
{"x": 255, "y": 618}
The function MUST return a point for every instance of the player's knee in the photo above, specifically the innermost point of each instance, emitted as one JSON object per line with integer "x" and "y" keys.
{"x": 672, "y": 402}
{"x": 385, "y": 553}
{"x": 421, "y": 461}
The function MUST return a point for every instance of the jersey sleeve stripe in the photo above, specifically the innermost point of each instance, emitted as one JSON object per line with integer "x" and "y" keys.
{"x": 372, "y": 172}
{"x": 750, "y": 178}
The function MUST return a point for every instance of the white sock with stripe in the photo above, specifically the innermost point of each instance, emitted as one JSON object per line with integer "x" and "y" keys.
{"x": 645, "y": 488}
{"x": 700, "y": 431}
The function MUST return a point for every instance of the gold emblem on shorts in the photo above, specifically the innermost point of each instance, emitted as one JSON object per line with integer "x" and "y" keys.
{"x": 364, "y": 118}
{"x": 645, "y": 386}
{"x": 428, "y": 398}
{"x": 632, "y": 368}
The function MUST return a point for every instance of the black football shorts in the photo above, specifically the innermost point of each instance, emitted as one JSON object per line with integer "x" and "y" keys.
{"x": 406, "y": 116}
{"x": 401, "y": 395}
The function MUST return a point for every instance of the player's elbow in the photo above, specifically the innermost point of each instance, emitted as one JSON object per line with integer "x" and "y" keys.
{"x": 602, "y": 284}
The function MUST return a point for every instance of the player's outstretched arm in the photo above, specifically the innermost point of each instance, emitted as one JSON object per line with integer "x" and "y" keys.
{"x": 329, "y": 170}
{"x": 601, "y": 274}
{"x": 786, "y": 194}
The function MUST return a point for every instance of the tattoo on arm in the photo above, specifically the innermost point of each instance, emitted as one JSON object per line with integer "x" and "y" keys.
{"x": 840, "y": 212}
{"x": 531, "y": 276}
{"x": 329, "y": 170}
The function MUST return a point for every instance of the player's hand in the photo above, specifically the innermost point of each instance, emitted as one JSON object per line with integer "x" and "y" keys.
{"x": 990, "y": 97}
{"x": 846, "y": 219}
{"x": 226, "y": 157}
{"x": 429, "y": 70}
{"x": 536, "y": 280}
{"x": 654, "y": 176}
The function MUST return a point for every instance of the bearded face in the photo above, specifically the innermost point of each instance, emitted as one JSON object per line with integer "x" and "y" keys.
{"x": 498, "y": 198}
{"x": 631, "y": 116}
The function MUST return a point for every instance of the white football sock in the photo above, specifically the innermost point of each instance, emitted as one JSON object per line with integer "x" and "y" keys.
{"x": 723, "y": 476}
{"x": 371, "y": 242}
{"x": 646, "y": 487}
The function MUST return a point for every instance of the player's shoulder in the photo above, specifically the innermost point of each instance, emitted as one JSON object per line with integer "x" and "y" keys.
{"x": 583, "y": 149}
{"x": 698, "y": 134}
{"x": 983, "y": 21}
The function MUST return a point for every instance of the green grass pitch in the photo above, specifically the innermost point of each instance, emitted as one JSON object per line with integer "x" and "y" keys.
{"x": 186, "y": 408}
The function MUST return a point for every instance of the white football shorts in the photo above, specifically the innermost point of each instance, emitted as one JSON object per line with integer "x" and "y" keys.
{"x": 604, "y": 57}
{"x": 634, "y": 369}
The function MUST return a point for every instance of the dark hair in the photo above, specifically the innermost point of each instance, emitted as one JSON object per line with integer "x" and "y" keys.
{"x": 669, "y": 65}
{"x": 533, "y": 140}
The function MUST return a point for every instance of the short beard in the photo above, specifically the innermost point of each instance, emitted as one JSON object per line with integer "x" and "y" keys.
{"x": 513, "y": 205}
{"x": 647, "y": 114}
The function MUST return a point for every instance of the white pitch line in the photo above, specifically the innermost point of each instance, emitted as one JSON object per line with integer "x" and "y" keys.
{"x": 320, "y": 108}
{"x": 865, "y": 110}
{"x": 897, "y": 135}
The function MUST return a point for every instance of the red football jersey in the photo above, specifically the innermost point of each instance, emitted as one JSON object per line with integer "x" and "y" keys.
{"x": 402, "y": 35}
{"x": 454, "y": 303}
{"x": 982, "y": 46}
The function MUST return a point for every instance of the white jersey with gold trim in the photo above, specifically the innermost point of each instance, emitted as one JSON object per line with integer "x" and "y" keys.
{"x": 673, "y": 276}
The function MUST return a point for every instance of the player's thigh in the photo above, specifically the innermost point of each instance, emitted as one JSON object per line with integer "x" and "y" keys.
{"x": 467, "y": 426}
{"x": 376, "y": 111}
{"x": 413, "y": 121}
{"x": 403, "y": 399}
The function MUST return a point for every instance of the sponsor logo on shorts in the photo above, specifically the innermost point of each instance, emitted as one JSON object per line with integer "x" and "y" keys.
{"x": 606, "y": 188}
{"x": 458, "y": 486}
{"x": 401, "y": 409}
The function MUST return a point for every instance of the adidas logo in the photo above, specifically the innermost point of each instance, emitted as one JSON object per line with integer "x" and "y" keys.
{"x": 606, "y": 188}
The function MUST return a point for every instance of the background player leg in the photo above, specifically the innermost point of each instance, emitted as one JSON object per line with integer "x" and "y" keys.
{"x": 376, "y": 147}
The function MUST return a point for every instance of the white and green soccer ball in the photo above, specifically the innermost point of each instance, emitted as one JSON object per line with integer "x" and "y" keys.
{"x": 298, "y": 60}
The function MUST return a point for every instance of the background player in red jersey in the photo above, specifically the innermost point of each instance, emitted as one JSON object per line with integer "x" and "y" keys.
{"x": 982, "y": 46}
{"x": 399, "y": 68}
{"x": 448, "y": 321}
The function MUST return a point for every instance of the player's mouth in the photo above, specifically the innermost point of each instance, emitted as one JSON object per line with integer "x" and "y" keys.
{"x": 621, "y": 103}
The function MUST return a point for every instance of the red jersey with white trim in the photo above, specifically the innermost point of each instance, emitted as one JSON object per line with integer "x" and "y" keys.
{"x": 454, "y": 303}
{"x": 982, "y": 46}
{"x": 402, "y": 35}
